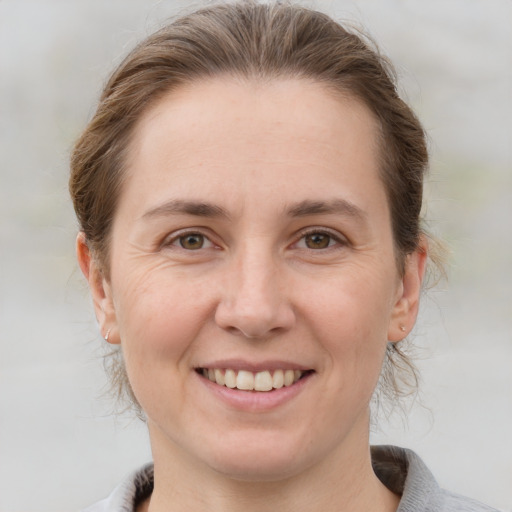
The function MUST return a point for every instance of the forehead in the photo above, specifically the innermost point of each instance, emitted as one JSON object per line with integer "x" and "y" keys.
{"x": 246, "y": 107}
{"x": 291, "y": 133}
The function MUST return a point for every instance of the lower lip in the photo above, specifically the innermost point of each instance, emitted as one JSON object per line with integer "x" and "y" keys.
{"x": 256, "y": 401}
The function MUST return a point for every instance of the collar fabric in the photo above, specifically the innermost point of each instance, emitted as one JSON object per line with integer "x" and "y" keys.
{"x": 399, "y": 469}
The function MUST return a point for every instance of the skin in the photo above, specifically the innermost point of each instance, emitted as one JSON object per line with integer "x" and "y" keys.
{"x": 265, "y": 157}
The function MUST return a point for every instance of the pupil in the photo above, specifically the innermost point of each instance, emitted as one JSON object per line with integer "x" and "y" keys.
{"x": 317, "y": 241}
{"x": 192, "y": 242}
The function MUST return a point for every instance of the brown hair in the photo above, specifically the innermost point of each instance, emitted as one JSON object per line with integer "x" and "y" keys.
{"x": 262, "y": 41}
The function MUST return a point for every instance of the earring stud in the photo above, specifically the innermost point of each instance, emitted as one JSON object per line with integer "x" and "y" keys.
{"x": 107, "y": 335}
{"x": 402, "y": 328}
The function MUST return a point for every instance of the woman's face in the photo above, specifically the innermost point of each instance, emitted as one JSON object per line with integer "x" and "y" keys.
{"x": 252, "y": 245}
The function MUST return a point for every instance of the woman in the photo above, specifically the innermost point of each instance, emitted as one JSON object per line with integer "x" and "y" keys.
{"x": 249, "y": 195}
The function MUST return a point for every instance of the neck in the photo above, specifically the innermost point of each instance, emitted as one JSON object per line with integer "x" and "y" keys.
{"x": 344, "y": 481}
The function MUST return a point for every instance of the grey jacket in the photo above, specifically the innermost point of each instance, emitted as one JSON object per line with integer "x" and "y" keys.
{"x": 402, "y": 471}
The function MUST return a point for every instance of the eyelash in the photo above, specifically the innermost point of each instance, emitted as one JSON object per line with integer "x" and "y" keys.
{"x": 334, "y": 239}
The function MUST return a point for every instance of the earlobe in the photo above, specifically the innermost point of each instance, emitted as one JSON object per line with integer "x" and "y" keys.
{"x": 406, "y": 307}
{"x": 100, "y": 289}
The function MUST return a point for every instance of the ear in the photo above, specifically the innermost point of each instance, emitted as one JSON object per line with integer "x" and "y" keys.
{"x": 100, "y": 288}
{"x": 405, "y": 309}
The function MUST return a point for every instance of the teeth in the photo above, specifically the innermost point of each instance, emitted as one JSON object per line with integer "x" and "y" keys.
{"x": 278, "y": 379}
{"x": 230, "y": 379}
{"x": 219, "y": 377}
{"x": 289, "y": 376}
{"x": 263, "y": 381}
{"x": 249, "y": 381}
{"x": 245, "y": 380}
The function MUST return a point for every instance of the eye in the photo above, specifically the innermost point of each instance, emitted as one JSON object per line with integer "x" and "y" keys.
{"x": 318, "y": 239}
{"x": 191, "y": 241}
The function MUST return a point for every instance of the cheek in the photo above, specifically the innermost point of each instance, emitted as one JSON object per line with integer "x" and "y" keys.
{"x": 351, "y": 319}
{"x": 355, "y": 304}
{"x": 159, "y": 319}
{"x": 158, "y": 326}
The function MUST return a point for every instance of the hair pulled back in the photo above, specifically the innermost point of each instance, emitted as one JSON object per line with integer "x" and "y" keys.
{"x": 250, "y": 40}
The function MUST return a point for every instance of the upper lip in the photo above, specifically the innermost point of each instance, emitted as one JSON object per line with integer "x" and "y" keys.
{"x": 252, "y": 366}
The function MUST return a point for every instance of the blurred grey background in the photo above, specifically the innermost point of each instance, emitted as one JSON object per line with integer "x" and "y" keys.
{"x": 60, "y": 446}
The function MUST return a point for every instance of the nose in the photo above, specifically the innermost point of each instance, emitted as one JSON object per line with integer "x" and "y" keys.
{"x": 254, "y": 301}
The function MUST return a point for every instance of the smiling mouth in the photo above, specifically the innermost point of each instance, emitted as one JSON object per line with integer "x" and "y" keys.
{"x": 253, "y": 381}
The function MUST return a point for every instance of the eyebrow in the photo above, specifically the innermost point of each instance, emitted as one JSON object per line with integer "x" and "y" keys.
{"x": 334, "y": 206}
{"x": 302, "y": 209}
{"x": 177, "y": 207}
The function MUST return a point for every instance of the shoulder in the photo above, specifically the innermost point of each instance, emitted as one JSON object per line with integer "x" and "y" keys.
{"x": 457, "y": 503}
{"x": 125, "y": 496}
{"x": 403, "y": 472}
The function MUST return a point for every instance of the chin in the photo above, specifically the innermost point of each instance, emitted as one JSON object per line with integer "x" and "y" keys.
{"x": 270, "y": 470}
{"x": 259, "y": 460}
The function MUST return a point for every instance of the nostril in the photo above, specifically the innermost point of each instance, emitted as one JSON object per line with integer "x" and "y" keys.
{"x": 256, "y": 320}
